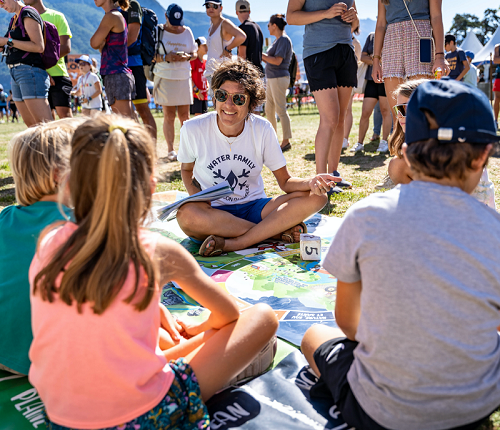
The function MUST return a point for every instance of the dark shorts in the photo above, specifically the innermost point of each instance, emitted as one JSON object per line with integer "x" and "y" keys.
{"x": 141, "y": 95}
{"x": 181, "y": 408}
{"x": 198, "y": 106}
{"x": 374, "y": 90}
{"x": 334, "y": 359}
{"x": 60, "y": 92}
{"x": 120, "y": 86}
{"x": 334, "y": 68}
{"x": 250, "y": 211}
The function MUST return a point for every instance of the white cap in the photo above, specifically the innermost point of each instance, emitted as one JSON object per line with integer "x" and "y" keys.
{"x": 203, "y": 40}
{"x": 85, "y": 58}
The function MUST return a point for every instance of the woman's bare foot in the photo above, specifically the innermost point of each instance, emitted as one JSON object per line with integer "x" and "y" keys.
{"x": 292, "y": 235}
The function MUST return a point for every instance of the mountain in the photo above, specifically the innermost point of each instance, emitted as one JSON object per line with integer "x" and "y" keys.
{"x": 84, "y": 17}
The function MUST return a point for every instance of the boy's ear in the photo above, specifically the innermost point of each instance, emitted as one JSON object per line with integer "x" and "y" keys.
{"x": 480, "y": 162}
{"x": 431, "y": 119}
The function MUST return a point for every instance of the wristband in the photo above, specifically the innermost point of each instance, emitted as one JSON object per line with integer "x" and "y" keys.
{"x": 439, "y": 53}
{"x": 377, "y": 56}
{"x": 10, "y": 42}
{"x": 89, "y": 99}
{"x": 227, "y": 50}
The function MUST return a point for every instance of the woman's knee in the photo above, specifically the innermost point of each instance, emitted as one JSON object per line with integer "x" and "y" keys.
{"x": 188, "y": 216}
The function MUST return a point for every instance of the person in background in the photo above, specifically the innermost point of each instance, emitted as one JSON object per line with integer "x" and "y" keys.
{"x": 400, "y": 26}
{"x": 331, "y": 70}
{"x": 471, "y": 77}
{"x": 3, "y": 105}
{"x": 60, "y": 82}
{"x": 251, "y": 48}
{"x": 496, "y": 83}
{"x": 111, "y": 39}
{"x": 223, "y": 37}
{"x": 348, "y": 116}
{"x": 89, "y": 87}
{"x": 456, "y": 58}
{"x": 172, "y": 83}
{"x": 374, "y": 92}
{"x": 29, "y": 81}
{"x": 277, "y": 60}
{"x": 377, "y": 123}
{"x": 133, "y": 16}
{"x": 12, "y": 106}
{"x": 200, "y": 88}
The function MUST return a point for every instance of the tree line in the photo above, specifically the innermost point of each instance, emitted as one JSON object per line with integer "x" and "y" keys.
{"x": 483, "y": 28}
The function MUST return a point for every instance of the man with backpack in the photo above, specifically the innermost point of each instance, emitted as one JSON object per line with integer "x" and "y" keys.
{"x": 3, "y": 104}
{"x": 60, "y": 82}
{"x": 134, "y": 17}
{"x": 251, "y": 48}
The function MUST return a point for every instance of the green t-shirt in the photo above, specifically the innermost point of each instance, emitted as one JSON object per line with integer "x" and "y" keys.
{"x": 59, "y": 20}
{"x": 20, "y": 227}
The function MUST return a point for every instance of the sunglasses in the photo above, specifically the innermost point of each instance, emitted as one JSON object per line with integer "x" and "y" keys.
{"x": 211, "y": 6}
{"x": 400, "y": 109}
{"x": 238, "y": 99}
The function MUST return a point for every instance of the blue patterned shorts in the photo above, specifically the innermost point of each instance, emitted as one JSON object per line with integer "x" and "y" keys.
{"x": 182, "y": 408}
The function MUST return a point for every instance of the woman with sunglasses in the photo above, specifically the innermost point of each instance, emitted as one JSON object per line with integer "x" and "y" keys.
{"x": 172, "y": 83}
{"x": 331, "y": 70}
{"x": 223, "y": 37}
{"x": 29, "y": 81}
{"x": 278, "y": 58}
{"x": 232, "y": 144}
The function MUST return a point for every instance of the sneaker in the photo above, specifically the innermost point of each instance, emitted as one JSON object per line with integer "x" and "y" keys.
{"x": 334, "y": 190}
{"x": 342, "y": 183}
{"x": 358, "y": 147}
{"x": 383, "y": 146}
{"x": 172, "y": 156}
{"x": 386, "y": 184}
{"x": 259, "y": 365}
{"x": 345, "y": 143}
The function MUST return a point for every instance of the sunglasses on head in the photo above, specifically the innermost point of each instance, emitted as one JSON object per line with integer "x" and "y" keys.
{"x": 238, "y": 99}
{"x": 211, "y": 6}
{"x": 400, "y": 109}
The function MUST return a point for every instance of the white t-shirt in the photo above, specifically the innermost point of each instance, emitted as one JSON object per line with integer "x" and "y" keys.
{"x": 183, "y": 42}
{"x": 86, "y": 84}
{"x": 240, "y": 163}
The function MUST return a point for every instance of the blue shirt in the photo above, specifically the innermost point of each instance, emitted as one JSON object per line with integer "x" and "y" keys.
{"x": 396, "y": 10}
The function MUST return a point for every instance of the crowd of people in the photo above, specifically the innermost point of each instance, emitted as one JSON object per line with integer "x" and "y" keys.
{"x": 417, "y": 267}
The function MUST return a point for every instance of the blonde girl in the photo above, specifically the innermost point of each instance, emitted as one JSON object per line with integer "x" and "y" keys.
{"x": 95, "y": 301}
{"x": 89, "y": 86}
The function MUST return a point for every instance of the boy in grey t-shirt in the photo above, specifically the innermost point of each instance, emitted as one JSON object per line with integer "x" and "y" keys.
{"x": 418, "y": 271}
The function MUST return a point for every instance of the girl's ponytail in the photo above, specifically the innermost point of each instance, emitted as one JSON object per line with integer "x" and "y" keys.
{"x": 124, "y": 4}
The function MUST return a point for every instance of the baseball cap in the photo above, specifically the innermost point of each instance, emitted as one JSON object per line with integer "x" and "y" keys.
{"x": 84, "y": 58}
{"x": 202, "y": 40}
{"x": 462, "y": 112}
{"x": 242, "y": 6}
{"x": 175, "y": 14}
{"x": 213, "y": 1}
{"x": 470, "y": 54}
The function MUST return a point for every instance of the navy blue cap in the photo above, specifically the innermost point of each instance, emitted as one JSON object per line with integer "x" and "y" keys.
{"x": 175, "y": 14}
{"x": 462, "y": 112}
{"x": 213, "y": 1}
{"x": 469, "y": 54}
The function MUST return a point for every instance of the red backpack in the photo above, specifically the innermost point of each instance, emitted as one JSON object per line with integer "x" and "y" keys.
{"x": 52, "y": 52}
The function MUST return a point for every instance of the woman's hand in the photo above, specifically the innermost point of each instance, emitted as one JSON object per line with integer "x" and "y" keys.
{"x": 171, "y": 326}
{"x": 377, "y": 71}
{"x": 226, "y": 54}
{"x": 350, "y": 15}
{"x": 321, "y": 184}
{"x": 440, "y": 62}
{"x": 3, "y": 41}
{"x": 336, "y": 10}
{"x": 189, "y": 330}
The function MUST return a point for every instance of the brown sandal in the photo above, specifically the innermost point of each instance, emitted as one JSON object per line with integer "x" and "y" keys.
{"x": 218, "y": 248}
{"x": 287, "y": 235}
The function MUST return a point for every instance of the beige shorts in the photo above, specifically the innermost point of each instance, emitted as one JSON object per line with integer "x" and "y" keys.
{"x": 168, "y": 92}
{"x": 401, "y": 56}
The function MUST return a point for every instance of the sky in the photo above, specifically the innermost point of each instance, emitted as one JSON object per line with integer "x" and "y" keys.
{"x": 366, "y": 8}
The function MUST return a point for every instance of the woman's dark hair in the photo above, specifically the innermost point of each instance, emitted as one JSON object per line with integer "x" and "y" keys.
{"x": 279, "y": 20}
{"x": 245, "y": 73}
{"x": 124, "y": 4}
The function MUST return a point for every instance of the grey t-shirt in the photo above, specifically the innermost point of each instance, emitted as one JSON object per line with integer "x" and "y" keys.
{"x": 281, "y": 47}
{"x": 325, "y": 34}
{"x": 396, "y": 10}
{"x": 428, "y": 257}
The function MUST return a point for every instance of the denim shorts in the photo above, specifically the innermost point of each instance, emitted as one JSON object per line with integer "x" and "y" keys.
{"x": 250, "y": 211}
{"x": 28, "y": 82}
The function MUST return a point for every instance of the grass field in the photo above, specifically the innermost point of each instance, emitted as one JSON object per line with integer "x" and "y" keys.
{"x": 364, "y": 170}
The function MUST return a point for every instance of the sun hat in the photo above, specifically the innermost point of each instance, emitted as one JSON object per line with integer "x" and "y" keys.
{"x": 175, "y": 14}
{"x": 462, "y": 112}
{"x": 85, "y": 59}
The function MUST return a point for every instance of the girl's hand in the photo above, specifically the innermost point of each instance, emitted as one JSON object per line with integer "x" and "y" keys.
{"x": 440, "y": 62}
{"x": 3, "y": 41}
{"x": 350, "y": 15}
{"x": 377, "y": 71}
{"x": 169, "y": 324}
{"x": 336, "y": 10}
{"x": 321, "y": 184}
{"x": 189, "y": 330}
{"x": 226, "y": 54}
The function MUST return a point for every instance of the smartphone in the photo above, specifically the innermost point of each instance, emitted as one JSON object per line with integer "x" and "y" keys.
{"x": 180, "y": 52}
{"x": 426, "y": 50}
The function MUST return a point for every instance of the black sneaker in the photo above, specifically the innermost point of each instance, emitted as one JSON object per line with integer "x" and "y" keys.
{"x": 343, "y": 183}
{"x": 334, "y": 190}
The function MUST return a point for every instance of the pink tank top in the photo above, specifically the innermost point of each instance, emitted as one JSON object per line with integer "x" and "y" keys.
{"x": 95, "y": 371}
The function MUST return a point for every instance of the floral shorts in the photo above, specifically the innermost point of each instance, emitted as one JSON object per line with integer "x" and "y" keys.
{"x": 401, "y": 53}
{"x": 182, "y": 408}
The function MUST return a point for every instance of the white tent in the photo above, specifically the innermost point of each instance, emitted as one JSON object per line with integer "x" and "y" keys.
{"x": 471, "y": 43}
{"x": 484, "y": 54}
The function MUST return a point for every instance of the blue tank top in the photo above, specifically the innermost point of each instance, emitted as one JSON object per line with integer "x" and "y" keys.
{"x": 396, "y": 10}
{"x": 325, "y": 34}
{"x": 114, "y": 55}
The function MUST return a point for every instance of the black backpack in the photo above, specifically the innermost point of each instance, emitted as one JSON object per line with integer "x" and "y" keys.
{"x": 292, "y": 69}
{"x": 146, "y": 41}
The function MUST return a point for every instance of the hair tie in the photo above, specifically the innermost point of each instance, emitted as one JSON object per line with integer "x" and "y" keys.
{"x": 117, "y": 127}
